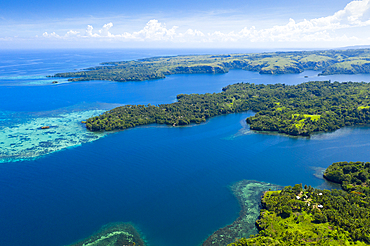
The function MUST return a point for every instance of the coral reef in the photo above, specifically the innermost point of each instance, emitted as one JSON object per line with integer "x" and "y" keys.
{"x": 248, "y": 193}
{"x": 114, "y": 234}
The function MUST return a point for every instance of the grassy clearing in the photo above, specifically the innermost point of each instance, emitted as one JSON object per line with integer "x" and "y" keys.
{"x": 363, "y": 107}
{"x": 348, "y": 64}
{"x": 273, "y": 62}
{"x": 315, "y": 58}
{"x": 300, "y": 123}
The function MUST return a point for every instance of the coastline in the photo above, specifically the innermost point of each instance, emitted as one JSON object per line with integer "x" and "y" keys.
{"x": 248, "y": 193}
{"x": 15, "y": 172}
{"x": 29, "y": 140}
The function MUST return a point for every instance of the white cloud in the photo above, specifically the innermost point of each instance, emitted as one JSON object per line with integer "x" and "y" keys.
{"x": 105, "y": 30}
{"x": 51, "y": 35}
{"x": 194, "y": 33}
{"x": 154, "y": 31}
{"x": 89, "y": 32}
{"x": 191, "y": 35}
{"x": 71, "y": 33}
{"x": 355, "y": 14}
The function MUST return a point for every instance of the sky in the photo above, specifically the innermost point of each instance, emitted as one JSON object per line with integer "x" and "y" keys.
{"x": 249, "y": 24}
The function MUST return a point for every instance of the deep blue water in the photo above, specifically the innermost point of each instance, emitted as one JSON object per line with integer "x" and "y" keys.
{"x": 170, "y": 182}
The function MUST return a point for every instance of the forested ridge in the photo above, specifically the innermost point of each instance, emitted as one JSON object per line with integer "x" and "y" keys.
{"x": 351, "y": 61}
{"x": 297, "y": 110}
{"x": 307, "y": 216}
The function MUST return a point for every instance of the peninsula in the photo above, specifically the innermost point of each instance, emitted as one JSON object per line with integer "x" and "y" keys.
{"x": 307, "y": 216}
{"x": 351, "y": 61}
{"x": 289, "y": 216}
{"x": 296, "y": 110}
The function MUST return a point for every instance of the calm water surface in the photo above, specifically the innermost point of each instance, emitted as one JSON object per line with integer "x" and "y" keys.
{"x": 170, "y": 182}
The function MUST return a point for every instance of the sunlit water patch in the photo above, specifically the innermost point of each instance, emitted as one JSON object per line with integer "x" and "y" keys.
{"x": 42, "y": 135}
{"x": 318, "y": 173}
{"x": 244, "y": 130}
{"x": 29, "y": 80}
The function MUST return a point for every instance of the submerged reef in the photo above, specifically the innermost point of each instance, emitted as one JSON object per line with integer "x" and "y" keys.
{"x": 43, "y": 134}
{"x": 248, "y": 193}
{"x": 114, "y": 234}
{"x": 307, "y": 216}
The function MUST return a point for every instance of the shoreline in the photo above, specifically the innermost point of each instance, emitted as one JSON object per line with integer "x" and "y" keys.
{"x": 248, "y": 193}
{"x": 28, "y": 141}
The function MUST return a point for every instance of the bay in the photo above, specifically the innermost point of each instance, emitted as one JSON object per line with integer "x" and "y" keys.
{"x": 172, "y": 183}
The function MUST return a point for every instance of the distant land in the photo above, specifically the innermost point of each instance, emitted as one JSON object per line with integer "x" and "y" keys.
{"x": 355, "y": 47}
{"x": 349, "y": 61}
{"x": 299, "y": 110}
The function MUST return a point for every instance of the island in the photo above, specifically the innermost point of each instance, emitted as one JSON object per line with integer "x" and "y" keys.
{"x": 295, "y": 110}
{"x": 351, "y": 61}
{"x": 306, "y": 216}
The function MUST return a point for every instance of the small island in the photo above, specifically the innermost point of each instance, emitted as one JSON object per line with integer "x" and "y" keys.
{"x": 351, "y": 61}
{"x": 295, "y": 110}
{"x": 307, "y": 216}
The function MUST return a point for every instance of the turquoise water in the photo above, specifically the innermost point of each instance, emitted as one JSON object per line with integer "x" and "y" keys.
{"x": 173, "y": 183}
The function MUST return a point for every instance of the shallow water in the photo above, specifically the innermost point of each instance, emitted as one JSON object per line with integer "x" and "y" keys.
{"x": 29, "y": 140}
{"x": 171, "y": 182}
{"x": 248, "y": 193}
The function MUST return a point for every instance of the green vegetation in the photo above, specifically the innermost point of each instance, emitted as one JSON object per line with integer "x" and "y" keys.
{"x": 308, "y": 216}
{"x": 301, "y": 122}
{"x": 363, "y": 107}
{"x": 353, "y": 176}
{"x": 298, "y": 110}
{"x": 326, "y": 61}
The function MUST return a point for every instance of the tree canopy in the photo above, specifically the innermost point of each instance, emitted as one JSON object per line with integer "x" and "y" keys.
{"x": 353, "y": 176}
{"x": 307, "y": 216}
{"x": 298, "y": 110}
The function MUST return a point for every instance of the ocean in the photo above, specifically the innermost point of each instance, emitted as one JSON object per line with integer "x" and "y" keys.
{"x": 62, "y": 184}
